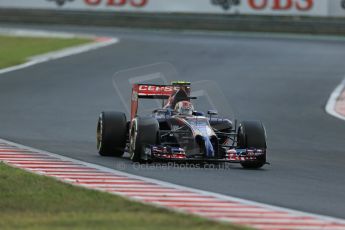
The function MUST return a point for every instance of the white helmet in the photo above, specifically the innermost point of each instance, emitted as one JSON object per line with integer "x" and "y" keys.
{"x": 184, "y": 108}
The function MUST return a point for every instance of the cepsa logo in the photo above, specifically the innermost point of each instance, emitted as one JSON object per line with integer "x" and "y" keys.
{"x": 155, "y": 88}
{"x": 276, "y": 5}
{"x": 133, "y": 3}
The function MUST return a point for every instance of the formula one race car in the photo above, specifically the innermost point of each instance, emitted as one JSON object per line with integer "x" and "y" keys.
{"x": 178, "y": 133}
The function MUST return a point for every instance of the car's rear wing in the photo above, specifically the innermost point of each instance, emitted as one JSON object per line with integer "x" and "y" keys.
{"x": 152, "y": 91}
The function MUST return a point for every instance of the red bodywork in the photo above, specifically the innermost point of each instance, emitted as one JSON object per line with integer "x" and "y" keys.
{"x": 155, "y": 91}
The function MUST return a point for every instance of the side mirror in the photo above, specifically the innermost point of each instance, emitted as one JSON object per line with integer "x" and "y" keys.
{"x": 212, "y": 112}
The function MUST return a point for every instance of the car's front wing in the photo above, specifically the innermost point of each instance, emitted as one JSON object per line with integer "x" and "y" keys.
{"x": 231, "y": 155}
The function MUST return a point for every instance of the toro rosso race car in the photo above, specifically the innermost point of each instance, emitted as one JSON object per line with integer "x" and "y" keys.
{"x": 177, "y": 133}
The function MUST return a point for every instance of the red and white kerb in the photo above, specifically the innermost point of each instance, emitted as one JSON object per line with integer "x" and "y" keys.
{"x": 202, "y": 203}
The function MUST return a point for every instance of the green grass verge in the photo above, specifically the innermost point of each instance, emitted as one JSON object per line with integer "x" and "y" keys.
{"x": 16, "y": 50}
{"x": 30, "y": 201}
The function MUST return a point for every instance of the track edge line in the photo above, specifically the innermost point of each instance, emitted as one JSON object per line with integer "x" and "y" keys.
{"x": 331, "y": 103}
{"x": 96, "y": 43}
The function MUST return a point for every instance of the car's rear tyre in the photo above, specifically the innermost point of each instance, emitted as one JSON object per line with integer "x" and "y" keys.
{"x": 252, "y": 134}
{"x": 144, "y": 131}
{"x": 111, "y": 133}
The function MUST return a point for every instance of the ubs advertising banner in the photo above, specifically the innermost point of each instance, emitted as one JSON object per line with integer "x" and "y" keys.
{"x": 254, "y": 7}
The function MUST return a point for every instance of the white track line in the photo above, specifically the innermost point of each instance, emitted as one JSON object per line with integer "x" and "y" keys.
{"x": 98, "y": 42}
{"x": 331, "y": 104}
{"x": 179, "y": 198}
{"x": 36, "y": 33}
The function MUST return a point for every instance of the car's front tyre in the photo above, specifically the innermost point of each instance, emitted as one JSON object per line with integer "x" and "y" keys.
{"x": 144, "y": 131}
{"x": 252, "y": 134}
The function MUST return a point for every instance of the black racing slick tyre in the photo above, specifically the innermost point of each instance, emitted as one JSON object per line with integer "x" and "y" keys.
{"x": 111, "y": 133}
{"x": 144, "y": 131}
{"x": 252, "y": 134}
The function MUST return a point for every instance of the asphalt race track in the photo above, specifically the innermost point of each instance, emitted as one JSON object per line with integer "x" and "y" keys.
{"x": 285, "y": 82}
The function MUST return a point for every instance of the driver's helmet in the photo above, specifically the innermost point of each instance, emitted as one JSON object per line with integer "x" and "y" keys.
{"x": 184, "y": 108}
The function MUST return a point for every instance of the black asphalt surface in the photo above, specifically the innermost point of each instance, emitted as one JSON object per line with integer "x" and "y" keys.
{"x": 285, "y": 82}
